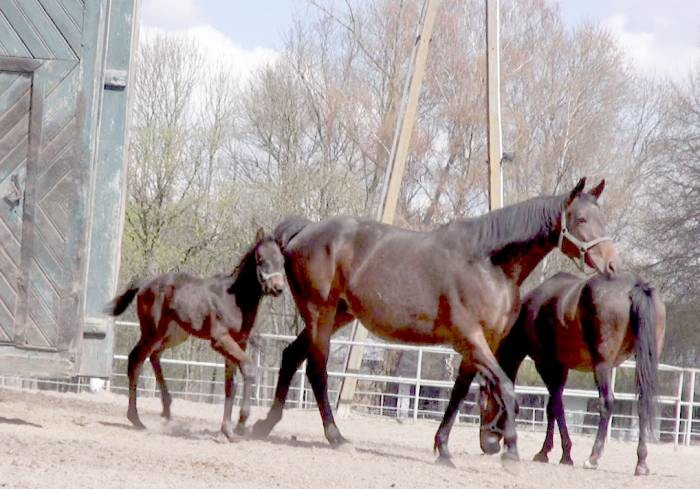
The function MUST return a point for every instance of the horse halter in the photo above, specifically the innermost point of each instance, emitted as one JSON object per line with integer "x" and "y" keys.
{"x": 268, "y": 276}
{"x": 583, "y": 246}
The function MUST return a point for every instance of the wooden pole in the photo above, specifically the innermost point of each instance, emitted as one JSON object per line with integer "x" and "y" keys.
{"x": 393, "y": 177}
{"x": 494, "y": 105}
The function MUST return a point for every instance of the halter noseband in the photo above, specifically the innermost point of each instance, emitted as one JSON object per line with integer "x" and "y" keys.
{"x": 583, "y": 246}
{"x": 268, "y": 276}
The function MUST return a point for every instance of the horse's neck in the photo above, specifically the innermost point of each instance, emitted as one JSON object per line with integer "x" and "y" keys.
{"x": 518, "y": 263}
{"x": 519, "y": 254}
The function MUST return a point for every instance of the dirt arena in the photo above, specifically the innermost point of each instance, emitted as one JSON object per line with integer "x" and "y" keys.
{"x": 72, "y": 441}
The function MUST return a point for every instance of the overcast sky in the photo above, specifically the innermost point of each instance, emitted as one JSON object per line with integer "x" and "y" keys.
{"x": 662, "y": 35}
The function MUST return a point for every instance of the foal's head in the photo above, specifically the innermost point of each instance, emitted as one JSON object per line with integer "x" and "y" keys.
{"x": 582, "y": 235}
{"x": 269, "y": 264}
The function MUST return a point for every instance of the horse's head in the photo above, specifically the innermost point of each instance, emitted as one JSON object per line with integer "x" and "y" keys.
{"x": 269, "y": 264}
{"x": 582, "y": 234}
{"x": 492, "y": 421}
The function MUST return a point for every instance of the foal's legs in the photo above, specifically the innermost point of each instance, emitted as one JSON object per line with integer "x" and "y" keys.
{"x": 603, "y": 374}
{"x": 230, "y": 392}
{"x": 459, "y": 392}
{"x": 160, "y": 379}
{"x": 244, "y": 412}
{"x": 138, "y": 355}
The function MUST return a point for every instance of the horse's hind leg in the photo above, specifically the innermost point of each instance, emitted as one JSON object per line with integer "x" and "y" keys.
{"x": 603, "y": 375}
{"x": 137, "y": 357}
{"x": 459, "y": 392}
{"x": 642, "y": 468}
{"x": 160, "y": 379}
{"x": 555, "y": 378}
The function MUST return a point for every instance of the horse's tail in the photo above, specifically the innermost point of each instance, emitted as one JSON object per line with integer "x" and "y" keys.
{"x": 121, "y": 302}
{"x": 643, "y": 318}
{"x": 287, "y": 229}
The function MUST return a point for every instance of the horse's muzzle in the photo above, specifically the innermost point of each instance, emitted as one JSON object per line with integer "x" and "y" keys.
{"x": 490, "y": 442}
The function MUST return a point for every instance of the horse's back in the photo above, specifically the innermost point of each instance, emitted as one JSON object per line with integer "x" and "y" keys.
{"x": 578, "y": 320}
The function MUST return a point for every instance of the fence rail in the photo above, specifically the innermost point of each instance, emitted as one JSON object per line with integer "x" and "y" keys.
{"x": 415, "y": 396}
{"x": 419, "y": 397}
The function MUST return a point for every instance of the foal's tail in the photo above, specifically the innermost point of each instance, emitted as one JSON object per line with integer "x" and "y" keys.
{"x": 121, "y": 302}
{"x": 287, "y": 229}
{"x": 643, "y": 318}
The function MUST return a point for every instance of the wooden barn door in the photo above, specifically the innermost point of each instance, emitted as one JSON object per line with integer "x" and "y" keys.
{"x": 43, "y": 185}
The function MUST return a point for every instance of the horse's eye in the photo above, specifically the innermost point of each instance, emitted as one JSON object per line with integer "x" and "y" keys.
{"x": 581, "y": 220}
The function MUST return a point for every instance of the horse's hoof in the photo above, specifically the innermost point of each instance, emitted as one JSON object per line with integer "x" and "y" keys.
{"x": 165, "y": 415}
{"x": 541, "y": 457}
{"x": 445, "y": 461}
{"x": 228, "y": 433}
{"x": 345, "y": 447}
{"x": 641, "y": 470}
{"x": 590, "y": 465}
{"x": 261, "y": 429}
{"x": 566, "y": 461}
{"x": 134, "y": 418}
{"x": 242, "y": 430}
{"x": 510, "y": 462}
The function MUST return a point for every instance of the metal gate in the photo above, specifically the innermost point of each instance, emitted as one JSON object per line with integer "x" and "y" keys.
{"x": 53, "y": 58}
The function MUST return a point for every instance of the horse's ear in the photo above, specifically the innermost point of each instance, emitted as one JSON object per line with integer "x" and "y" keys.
{"x": 576, "y": 191}
{"x": 598, "y": 189}
{"x": 260, "y": 235}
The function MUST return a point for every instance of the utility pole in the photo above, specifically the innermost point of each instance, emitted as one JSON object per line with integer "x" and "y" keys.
{"x": 493, "y": 82}
{"x": 393, "y": 177}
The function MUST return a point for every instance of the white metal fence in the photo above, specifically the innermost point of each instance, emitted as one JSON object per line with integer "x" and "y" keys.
{"x": 420, "y": 397}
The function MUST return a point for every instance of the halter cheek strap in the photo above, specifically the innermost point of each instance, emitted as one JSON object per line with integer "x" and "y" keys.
{"x": 583, "y": 246}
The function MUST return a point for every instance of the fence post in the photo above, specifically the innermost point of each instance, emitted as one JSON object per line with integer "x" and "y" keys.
{"x": 689, "y": 412}
{"x": 302, "y": 385}
{"x": 612, "y": 391}
{"x": 677, "y": 423}
{"x": 418, "y": 374}
{"x": 258, "y": 376}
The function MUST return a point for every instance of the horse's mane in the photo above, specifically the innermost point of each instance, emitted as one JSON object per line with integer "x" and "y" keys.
{"x": 241, "y": 272}
{"x": 526, "y": 221}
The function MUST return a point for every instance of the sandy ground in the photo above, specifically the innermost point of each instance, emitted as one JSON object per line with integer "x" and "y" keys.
{"x": 73, "y": 441}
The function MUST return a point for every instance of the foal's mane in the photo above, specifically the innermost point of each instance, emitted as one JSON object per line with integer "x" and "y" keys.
{"x": 527, "y": 221}
{"x": 244, "y": 272}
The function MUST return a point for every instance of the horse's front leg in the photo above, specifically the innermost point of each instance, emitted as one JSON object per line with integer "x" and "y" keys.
{"x": 230, "y": 395}
{"x": 322, "y": 324}
{"x": 603, "y": 375}
{"x": 244, "y": 414}
{"x": 459, "y": 392}
{"x": 292, "y": 357}
{"x": 475, "y": 345}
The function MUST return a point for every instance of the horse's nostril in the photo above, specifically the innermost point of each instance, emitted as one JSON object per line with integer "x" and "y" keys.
{"x": 612, "y": 268}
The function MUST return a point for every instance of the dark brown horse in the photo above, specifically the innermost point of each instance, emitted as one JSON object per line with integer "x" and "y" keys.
{"x": 594, "y": 324}
{"x": 221, "y": 309}
{"x": 457, "y": 285}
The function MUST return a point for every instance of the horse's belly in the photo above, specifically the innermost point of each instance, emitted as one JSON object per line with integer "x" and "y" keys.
{"x": 402, "y": 322}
